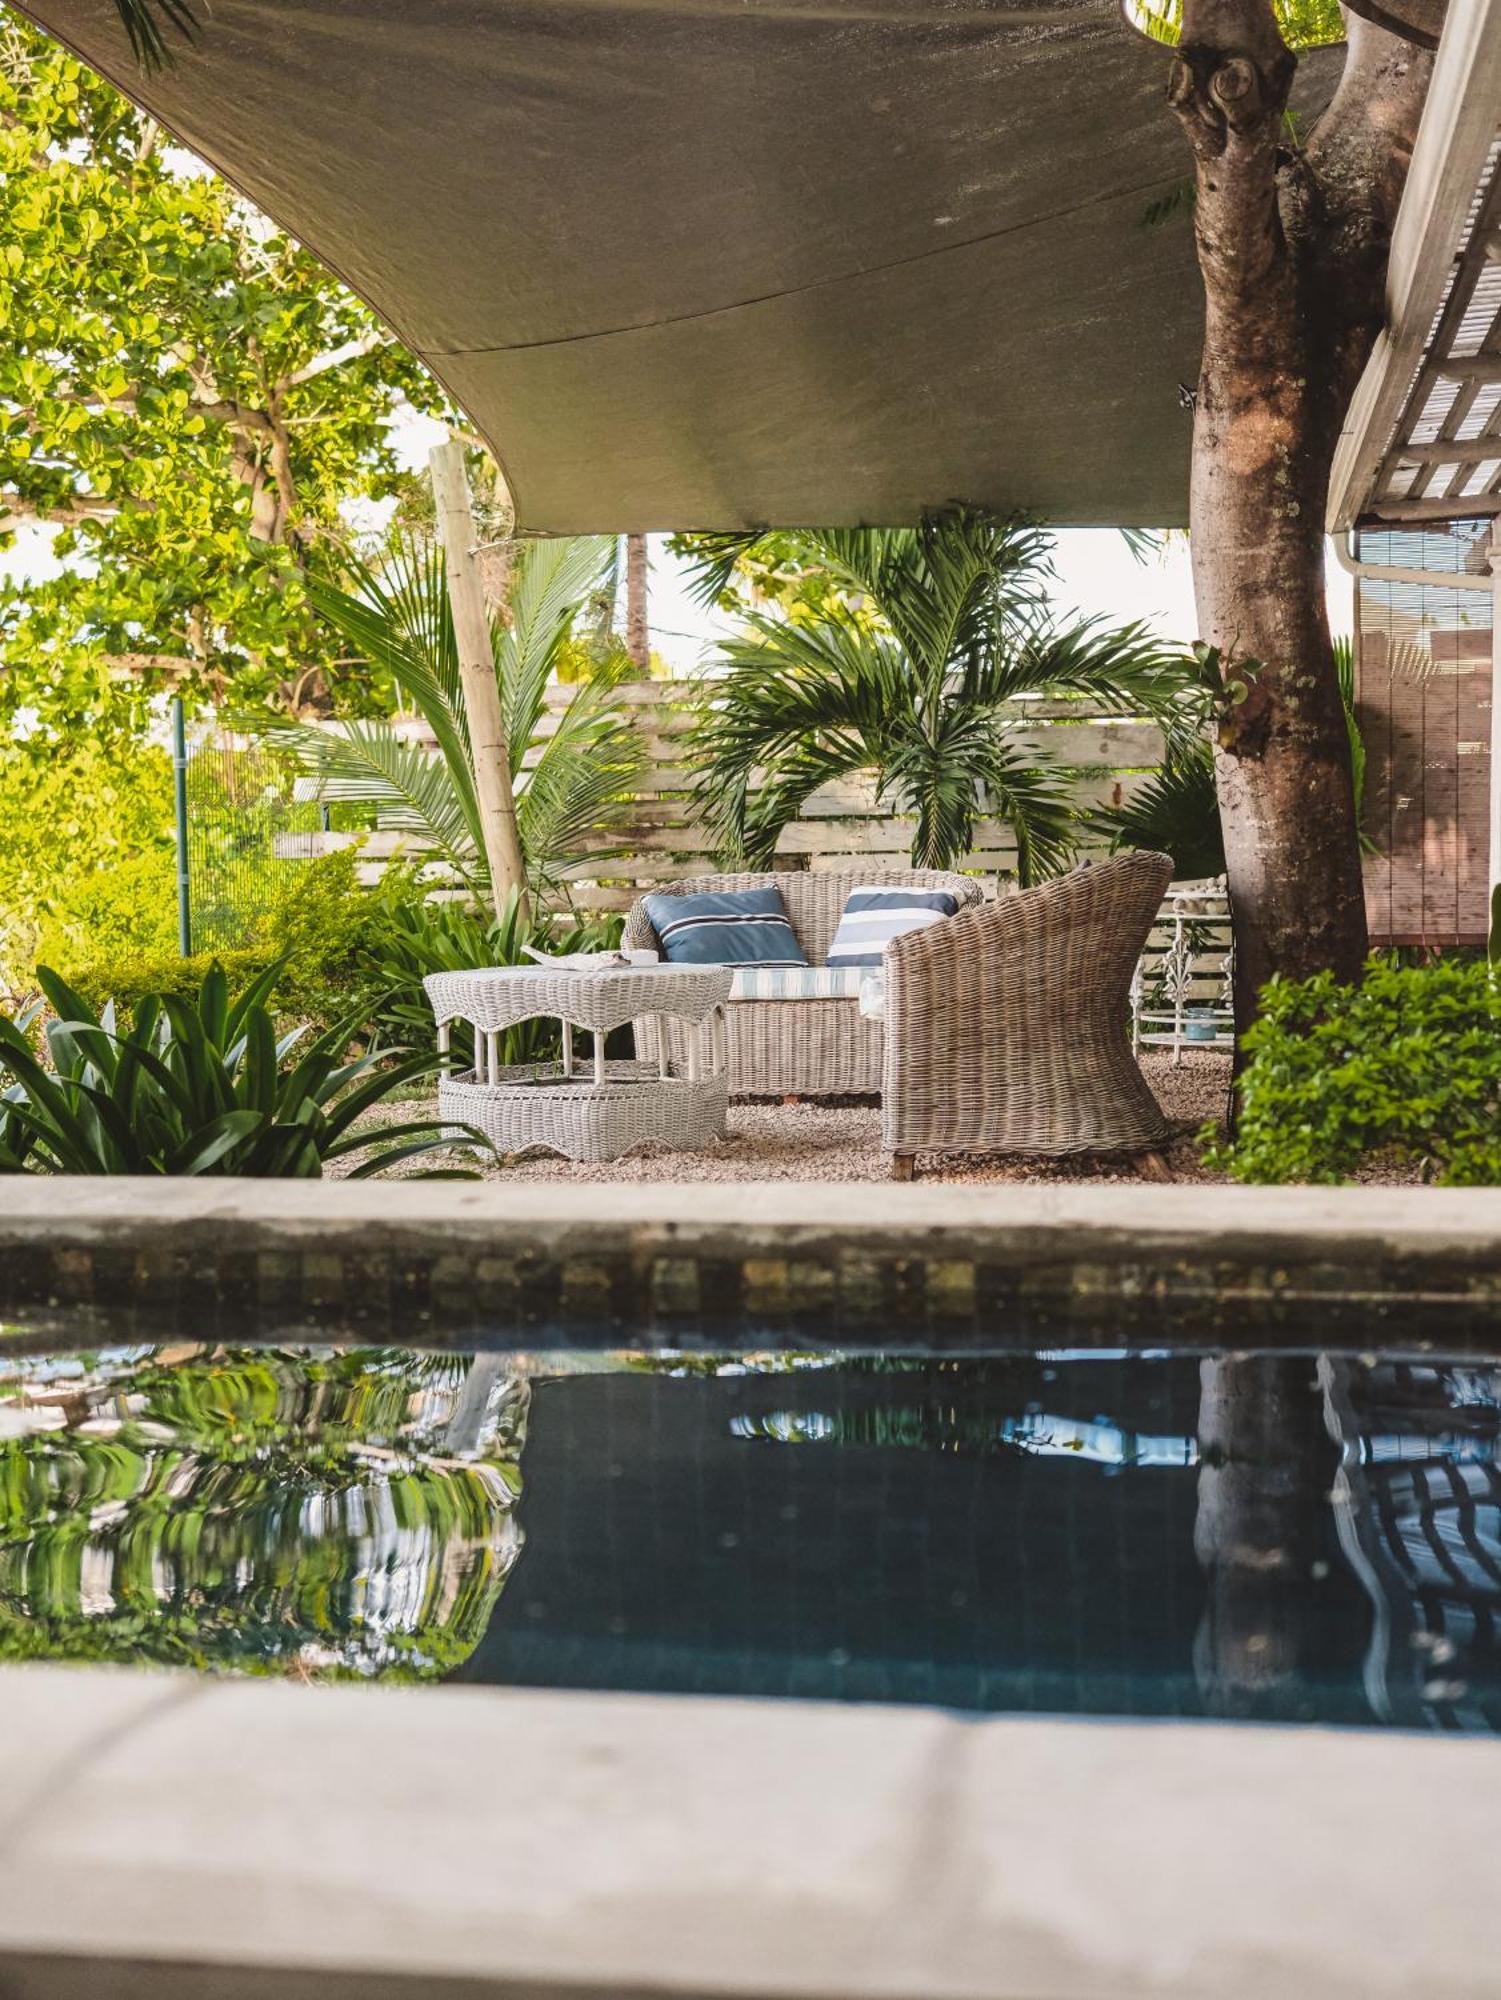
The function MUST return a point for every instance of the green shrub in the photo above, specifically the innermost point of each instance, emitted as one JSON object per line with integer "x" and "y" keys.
{"x": 85, "y": 850}
{"x": 1408, "y": 1064}
{"x": 321, "y": 927}
{"x": 194, "y": 1086}
{"x": 419, "y": 938}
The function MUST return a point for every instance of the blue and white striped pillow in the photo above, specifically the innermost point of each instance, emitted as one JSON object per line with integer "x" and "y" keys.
{"x": 726, "y": 927}
{"x": 871, "y": 916}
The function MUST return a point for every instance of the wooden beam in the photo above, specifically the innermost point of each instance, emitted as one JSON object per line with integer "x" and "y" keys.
{"x": 1449, "y": 451}
{"x": 1459, "y": 123}
{"x": 1481, "y": 368}
{"x": 489, "y": 752}
{"x": 1476, "y": 508}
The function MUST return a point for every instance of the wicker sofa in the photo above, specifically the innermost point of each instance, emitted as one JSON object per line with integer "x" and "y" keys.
{"x": 795, "y": 1046}
{"x": 1008, "y": 1028}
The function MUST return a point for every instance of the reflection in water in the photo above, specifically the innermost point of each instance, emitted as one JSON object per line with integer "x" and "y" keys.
{"x": 1265, "y": 1467}
{"x": 319, "y": 1513}
{"x": 1293, "y": 1537}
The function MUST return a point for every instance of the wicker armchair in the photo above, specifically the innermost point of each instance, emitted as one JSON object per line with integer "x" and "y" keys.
{"x": 1008, "y": 1029}
{"x": 796, "y": 1048}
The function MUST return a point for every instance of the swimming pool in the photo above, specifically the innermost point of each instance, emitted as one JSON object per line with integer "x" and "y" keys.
{"x": 1260, "y": 1536}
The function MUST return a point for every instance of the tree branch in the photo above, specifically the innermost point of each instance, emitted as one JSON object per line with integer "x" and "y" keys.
{"x": 82, "y": 507}
{"x": 1360, "y": 150}
{"x": 1229, "y": 88}
{"x": 352, "y": 350}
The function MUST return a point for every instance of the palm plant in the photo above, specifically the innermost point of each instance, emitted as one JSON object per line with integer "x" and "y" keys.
{"x": 918, "y": 670}
{"x": 571, "y": 786}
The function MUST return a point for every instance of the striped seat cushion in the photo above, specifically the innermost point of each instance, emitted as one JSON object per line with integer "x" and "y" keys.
{"x": 726, "y": 927}
{"x": 797, "y": 982}
{"x": 872, "y": 916}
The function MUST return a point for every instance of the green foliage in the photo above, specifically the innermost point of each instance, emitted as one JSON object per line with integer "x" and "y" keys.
{"x": 85, "y": 840}
{"x": 200, "y": 1086}
{"x": 421, "y": 938}
{"x": 1176, "y": 812}
{"x": 1305, "y": 24}
{"x": 187, "y": 400}
{"x": 914, "y": 687}
{"x": 571, "y": 785}
{"x": 320, "y": 928}
{"x": 1406, "y": 1064}
{"x": 246, "y": 1506}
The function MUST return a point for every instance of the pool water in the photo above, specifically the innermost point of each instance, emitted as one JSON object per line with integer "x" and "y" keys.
{"x": 1280, "y": 1537}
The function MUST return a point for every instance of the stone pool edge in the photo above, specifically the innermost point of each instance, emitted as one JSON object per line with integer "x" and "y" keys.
{"x": 941, "y": 1266}
{"x": 170, "y": 1838}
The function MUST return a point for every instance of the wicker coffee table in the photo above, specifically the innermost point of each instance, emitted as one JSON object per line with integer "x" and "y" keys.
{"x": 596, "y": 1110}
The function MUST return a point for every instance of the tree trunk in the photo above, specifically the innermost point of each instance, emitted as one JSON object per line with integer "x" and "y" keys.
{"x": 637, "y": 637}
{"x": 1293, "y": 245}
{"x": 488, "y": 749}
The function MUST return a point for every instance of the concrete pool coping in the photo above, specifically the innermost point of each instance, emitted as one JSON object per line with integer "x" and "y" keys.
{"x": 947, "y": 1267}
{"x": 166, "y": 1836}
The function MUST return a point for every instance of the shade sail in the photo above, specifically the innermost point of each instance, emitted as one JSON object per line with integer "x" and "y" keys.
{"x": 720, "y": 263}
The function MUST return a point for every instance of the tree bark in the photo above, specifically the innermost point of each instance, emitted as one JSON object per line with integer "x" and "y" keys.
{"x": 488, "y": 749}
{"x": 1293, "y": 245}
{"x": 637, "y": 637}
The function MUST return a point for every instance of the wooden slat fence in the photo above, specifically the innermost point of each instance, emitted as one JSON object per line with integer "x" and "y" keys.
{"x": 842, "y": 826}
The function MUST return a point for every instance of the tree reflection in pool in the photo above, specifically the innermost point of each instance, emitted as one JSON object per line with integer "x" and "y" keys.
{"x": 276, "y": 1511}
{"x": 1290, "y": 1537}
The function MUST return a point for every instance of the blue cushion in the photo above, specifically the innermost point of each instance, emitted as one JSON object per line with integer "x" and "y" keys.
{"x": 726, "y": 927}
{"x": 871, "y": 916}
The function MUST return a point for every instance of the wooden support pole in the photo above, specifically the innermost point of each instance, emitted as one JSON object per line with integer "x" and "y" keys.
{"x": 637, "y": 633}
{"x": 1495, "y": 801}
{"x": 487, "y": 731}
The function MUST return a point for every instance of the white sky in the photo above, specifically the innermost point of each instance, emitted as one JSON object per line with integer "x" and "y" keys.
{"x": 1097, "y": 575}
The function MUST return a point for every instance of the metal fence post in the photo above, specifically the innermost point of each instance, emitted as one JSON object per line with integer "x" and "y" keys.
{"x": 180, "y": 807}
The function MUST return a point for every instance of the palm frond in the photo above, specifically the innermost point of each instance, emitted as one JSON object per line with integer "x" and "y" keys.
{"x": 797, "y": 699}
{"x": 550, "y": 581}
{"x": 144, "y": 20}
{"x": 919, "y": 695}
{"x": 1123, "y": 665}
{"x": 1031, "y": 796}
{"x": 1176, "y": 812}
{"x": 411, "y": 790}
{"x": 712, "y": 575}
{"x": 401, "y": 623}
{"x": 577, "y": 793}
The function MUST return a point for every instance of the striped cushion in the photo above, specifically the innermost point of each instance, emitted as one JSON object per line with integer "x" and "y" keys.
{"x": 871, "y": 916}
{"x": 726, "y": 927}
{"x": 797, "y": 982}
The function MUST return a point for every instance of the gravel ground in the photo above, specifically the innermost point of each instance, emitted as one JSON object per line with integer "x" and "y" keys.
{"x": 814, "y": 1142}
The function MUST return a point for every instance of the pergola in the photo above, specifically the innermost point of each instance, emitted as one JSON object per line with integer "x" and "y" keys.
{"x": 1417, "y": 493}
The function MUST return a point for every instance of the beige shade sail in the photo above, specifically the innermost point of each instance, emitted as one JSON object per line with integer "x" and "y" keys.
{"x": 725, "y": 263}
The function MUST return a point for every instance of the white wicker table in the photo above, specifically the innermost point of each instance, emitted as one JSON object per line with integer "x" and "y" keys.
{"x": 594, "y": 1111}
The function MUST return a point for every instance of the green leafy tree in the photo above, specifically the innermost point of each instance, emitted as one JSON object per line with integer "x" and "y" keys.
{"x": 186, "y": 397}
{"x": 917, "y": 685}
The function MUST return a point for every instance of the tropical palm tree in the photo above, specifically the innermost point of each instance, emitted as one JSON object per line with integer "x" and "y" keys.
{"x": 917, "y": 668}
{"x": 571, "y": 785}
